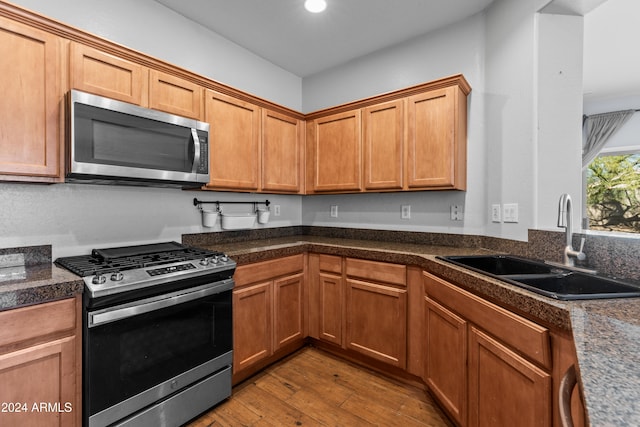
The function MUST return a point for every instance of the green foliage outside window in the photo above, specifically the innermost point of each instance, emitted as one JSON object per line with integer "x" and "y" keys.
{"x": 613, "y": 193}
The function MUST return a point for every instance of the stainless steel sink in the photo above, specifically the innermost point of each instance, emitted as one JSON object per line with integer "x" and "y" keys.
{"x": 545, "y": 279}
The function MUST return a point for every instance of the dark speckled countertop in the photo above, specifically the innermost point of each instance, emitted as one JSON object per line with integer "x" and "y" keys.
{"x": 28, "y": 277}
{"x": 39, "y": 283}
{"x": 606, "y": 332}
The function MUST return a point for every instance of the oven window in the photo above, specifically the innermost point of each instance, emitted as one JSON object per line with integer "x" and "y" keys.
{"x": 128, "y": 356}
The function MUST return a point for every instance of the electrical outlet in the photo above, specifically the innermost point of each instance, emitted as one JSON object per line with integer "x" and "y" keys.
{"x": 495, "y": 213}
{"x": 276, "y": 210}
{"x": 457, "y": 213}
{"x": 510, "y": 212}
{"x": 334, "y": 211}
{"x": 405, "y": 212}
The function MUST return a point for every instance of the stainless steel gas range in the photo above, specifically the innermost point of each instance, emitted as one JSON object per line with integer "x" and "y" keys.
{"x": 157, "y": 333}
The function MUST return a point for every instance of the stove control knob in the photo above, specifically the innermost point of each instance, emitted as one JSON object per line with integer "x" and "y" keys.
{"x": 224, "y": 258}
{"x": 204, "y": 261}
{"x": 117, "y": 276}
{"x": 215, "y": 259}
{"x": 98, "y": 279}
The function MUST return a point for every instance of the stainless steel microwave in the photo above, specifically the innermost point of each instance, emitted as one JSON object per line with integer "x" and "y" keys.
{"x": 113, "y": 142}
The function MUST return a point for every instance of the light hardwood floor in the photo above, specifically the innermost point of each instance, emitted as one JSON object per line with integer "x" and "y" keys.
{"x": 314, "y": 388}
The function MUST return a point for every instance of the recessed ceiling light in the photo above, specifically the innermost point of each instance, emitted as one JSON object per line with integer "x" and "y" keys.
{"x": 315, "y": 6}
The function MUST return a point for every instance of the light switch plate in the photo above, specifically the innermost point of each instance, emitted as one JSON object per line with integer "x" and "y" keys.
{"x": 334, "y": 211}
{"x": 510, "y": 212}
{"x": 495, "y": 213}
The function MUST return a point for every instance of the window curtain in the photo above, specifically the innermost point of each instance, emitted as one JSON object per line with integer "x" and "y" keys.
{"x": 597, "y": 130}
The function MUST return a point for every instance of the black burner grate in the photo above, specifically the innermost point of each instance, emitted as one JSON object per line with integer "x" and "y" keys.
{"x": 88, "y": 265}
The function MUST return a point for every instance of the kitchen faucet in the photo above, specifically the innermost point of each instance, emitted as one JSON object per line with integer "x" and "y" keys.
{"x": 564, "y": 221}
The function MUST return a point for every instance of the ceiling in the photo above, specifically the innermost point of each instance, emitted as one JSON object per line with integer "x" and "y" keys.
{"x": 304, "y": 43}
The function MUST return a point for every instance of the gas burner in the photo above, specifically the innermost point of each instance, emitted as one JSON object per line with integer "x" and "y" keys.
{"x": 115, "y": 270}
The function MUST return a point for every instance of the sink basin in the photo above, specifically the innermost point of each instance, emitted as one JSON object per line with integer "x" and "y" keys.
{"x": 545, "y": 279}
{"x": 501, "y": 264}
{"x": 578, "y": 286}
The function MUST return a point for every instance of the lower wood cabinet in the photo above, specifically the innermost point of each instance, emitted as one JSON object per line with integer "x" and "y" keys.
{"x": 488, "y": 366}
{"x": 445, "y": 355}
{"x": 268, "y": 312}
{"x": 40, "y": 365}
{"x": 505, "y": 389}
{"x": 485, "y": 365}
{"x": 376, "y": 310}
{"x": 359, "y": 305}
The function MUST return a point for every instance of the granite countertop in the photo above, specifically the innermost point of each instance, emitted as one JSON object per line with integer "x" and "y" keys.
{"x": 36, "y": 284}
{"x": 606, "y": 332}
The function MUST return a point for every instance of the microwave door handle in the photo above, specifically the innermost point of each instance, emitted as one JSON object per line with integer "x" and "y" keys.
{"x": 196, "y": 150}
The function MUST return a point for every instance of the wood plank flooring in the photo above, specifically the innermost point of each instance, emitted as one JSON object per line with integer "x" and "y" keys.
{"x": 314, "y": 388}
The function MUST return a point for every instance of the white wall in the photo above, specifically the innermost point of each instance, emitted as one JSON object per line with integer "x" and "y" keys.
{"x": 559, "y": 154}
{"x": 524, "y": 128}
{"x": 74, "y": 218}
{"x": 456, "y": 49}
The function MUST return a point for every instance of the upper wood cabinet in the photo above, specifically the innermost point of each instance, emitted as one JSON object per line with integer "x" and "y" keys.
{"x": 282, "y": 152}
{"x": 437, "y": 141}
{"x": 31, "y": 106}
{"x": 107, "y": 75}
{"x": 412, "y": 139}
{"x": 335, "y": 152}
{"x": 383, "y": 128}
{"x": 252, "y": 148}
{"x": 234, "y": 143}
{"x": 175, "y": 95}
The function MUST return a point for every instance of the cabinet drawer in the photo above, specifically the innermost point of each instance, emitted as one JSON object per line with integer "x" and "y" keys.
{"x": 23, "y": 324}
{"x": 394, "y": 274}
{"x": 330, "y": 263}
{"x": 268, "y": 270}
{"x": 530, "y": 339}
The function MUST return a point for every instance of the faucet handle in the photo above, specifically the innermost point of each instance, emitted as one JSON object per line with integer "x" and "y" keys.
{"x": 581, "y": 255}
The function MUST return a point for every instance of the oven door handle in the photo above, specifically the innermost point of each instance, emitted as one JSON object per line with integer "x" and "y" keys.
{"x": 113, "y": 314}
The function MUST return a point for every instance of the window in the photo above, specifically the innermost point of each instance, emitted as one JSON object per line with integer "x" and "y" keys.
{"x": 613, "y": 191}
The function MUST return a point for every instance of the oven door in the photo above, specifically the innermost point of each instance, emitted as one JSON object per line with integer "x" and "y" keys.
{"x": 138, "y": 353}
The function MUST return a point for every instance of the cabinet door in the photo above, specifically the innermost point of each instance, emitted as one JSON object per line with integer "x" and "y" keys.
{"x": 40, "y": 375}
{"x": 281, "y": 152}
{"x": 252, "y": 327}
{"x": 437, "y": 141}
{"x": 103, "y": 74}
{"x": 446, "y": 359}
{"x": 336, "y": 148}
{"x": 377, "y": 321}
{"x": 31, "y": 103}
{"x": 504, "y": 388}
{"x": 331, "y": 305}
{"x": 175, "y": 95}
{"x": 234, "y": 142}
{"x": 288, "y": 310}
{"x": 383, "y": 135}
